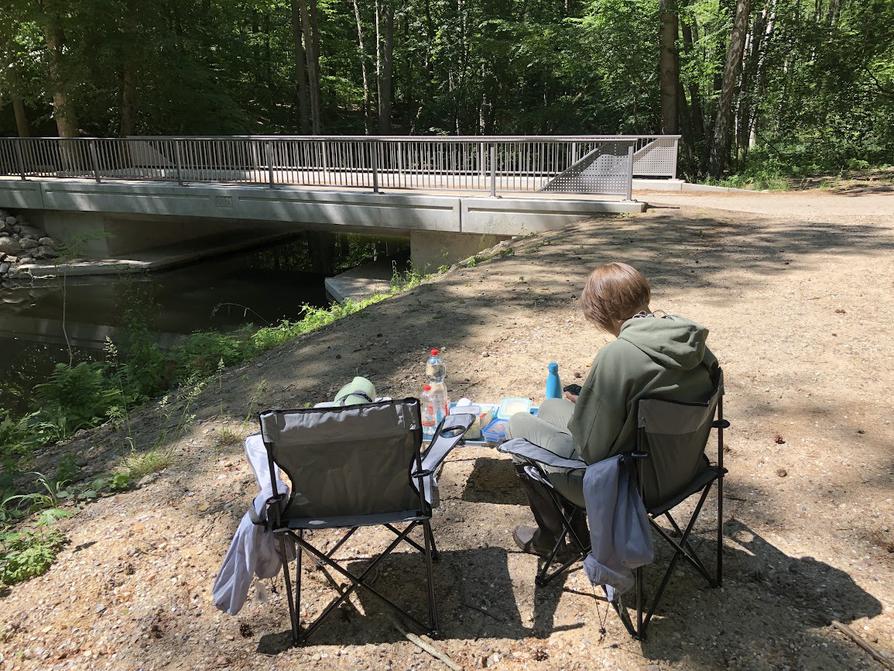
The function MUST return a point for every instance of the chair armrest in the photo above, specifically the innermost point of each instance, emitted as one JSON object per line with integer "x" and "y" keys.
{"x": 449, "y": 432}
{"x": 520, "y": 447}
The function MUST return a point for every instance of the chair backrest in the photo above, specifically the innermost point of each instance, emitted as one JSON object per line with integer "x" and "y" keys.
{"x": 674, "y": 434}
{"x": 348, "y": 461}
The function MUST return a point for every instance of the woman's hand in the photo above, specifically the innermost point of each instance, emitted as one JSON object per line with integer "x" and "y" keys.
{"x": 571, "y": 397}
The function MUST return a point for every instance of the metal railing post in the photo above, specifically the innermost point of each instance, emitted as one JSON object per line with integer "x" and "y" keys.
{"x": 676, "y": 148}
{"x": 630, "y": 171}
{"x": 179, "y": 162}
{"x": 91, "y": 149}
{"x": 493, "y": 170}
{"x": 20, "y": 157}
{"x": 374, "y": 157}
{"x": 269, "y": 151}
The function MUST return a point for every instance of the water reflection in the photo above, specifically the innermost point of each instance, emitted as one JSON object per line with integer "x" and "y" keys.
{"x": 257, "y": 287}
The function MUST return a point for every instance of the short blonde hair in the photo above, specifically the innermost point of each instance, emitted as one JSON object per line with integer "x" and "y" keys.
{"x": 614, "y": 292}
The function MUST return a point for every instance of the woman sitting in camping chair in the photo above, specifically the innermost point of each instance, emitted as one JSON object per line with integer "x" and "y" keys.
{"x": 654, "y": 355}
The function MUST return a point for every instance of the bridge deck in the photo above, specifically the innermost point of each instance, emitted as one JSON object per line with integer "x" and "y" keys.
{"x": 455, "y": 187}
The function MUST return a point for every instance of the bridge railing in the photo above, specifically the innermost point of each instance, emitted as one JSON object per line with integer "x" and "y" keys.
{"x": 593, "y": 164}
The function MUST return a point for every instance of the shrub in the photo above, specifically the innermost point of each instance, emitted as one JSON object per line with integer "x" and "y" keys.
{"x": 200, "y": 353}
{"x": 140, "y": 464}
{"x": 74, "y": 397}
{"x": 27, "y": 554}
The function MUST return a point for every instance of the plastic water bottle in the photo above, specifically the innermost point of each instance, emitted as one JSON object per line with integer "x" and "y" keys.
{"x": 553, "y": 384}
{"x": 429, "y": 419}
{"x": 436, "y": 374}
{"x": 435, "y": 370}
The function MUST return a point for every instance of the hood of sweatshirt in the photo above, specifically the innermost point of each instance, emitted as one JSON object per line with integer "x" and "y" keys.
{"x": 674, "y": 342}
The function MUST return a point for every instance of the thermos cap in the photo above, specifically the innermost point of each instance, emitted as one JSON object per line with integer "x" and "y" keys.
{"x": 435, "y": 351}
{"x": 553, "y": 367}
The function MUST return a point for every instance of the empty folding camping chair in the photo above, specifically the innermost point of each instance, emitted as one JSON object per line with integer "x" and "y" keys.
{"x": 350, "y": 467}
{"x": 669, "y": 465}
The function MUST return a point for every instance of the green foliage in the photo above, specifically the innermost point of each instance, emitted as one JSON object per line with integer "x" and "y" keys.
{"x": 27, "y": 554}
{"x": 200, "y": 354}
{"x": 225, "y": 437}
{"x": 313, "y": 318}
{"x": 74, "y": 397}
{"x": 138, "y": 465}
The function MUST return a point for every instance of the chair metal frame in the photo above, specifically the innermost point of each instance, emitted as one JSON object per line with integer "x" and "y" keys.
{"x": 294, "y": 530}
{"x": 682, "y": 548}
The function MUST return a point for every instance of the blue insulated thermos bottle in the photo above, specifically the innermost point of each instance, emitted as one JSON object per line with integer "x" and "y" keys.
{"x": 553, "y": 384}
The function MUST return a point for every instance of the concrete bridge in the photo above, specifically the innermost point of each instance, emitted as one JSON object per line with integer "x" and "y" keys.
{"x": 451, "y": 196}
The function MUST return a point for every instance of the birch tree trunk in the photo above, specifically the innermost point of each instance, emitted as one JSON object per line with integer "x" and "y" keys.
{"x": 300, "y": 61}
{"x": 367, "y": 120}
{"x": 723, "y": 125}
{"x": 384, "y": 61}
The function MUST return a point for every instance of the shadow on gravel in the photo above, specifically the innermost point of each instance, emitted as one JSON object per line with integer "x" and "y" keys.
{"x": 543, "y": 276}
{"x": 494, "y": 481}
{"x": 475, "y": 599}
{"x": 769, "y": 614}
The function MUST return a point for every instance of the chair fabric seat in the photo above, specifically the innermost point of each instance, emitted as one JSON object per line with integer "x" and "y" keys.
{"x": 343, "y": 521}
{"x": 709, "y": 474}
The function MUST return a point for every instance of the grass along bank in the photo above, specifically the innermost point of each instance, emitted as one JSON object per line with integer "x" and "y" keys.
{"x": 87, "y": 394}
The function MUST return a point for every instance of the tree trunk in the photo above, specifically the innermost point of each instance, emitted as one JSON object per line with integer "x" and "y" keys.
{"x": 312, "y": 59}
{"x": 367, "y": 121}
{"x": 18, "y": 108}
{"x": 384, "y": 53}
{"x": 670, "y": 75}
{"x": 722, "y": 126}
{"x": 761, "y": 73}
{"x": 694, "y": 130}
{"x": 299, "y": 58}
{"x": 128, "y": 121}
{"x": 66, "y": 121}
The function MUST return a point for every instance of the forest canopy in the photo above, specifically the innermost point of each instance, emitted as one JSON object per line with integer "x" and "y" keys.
{"x": 795, "y": 86}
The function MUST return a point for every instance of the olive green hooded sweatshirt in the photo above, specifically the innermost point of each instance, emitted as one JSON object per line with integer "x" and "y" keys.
{"x": 663, "y": 357}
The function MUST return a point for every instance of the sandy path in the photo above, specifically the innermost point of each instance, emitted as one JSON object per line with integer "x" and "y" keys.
{"x": 800, "y": 315}
{"x": 814, "y": 205}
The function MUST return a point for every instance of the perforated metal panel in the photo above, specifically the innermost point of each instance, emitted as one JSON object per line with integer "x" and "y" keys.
{"x": 604, "y": 170}
{"x": 658, "y": 158}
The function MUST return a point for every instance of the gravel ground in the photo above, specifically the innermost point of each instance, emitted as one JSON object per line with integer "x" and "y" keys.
{"x": 798, "y": 298}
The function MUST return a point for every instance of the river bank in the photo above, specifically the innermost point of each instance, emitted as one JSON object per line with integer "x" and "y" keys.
{"x": 794, "y": 305}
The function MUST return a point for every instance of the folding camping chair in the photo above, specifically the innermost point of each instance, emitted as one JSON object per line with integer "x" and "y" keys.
{"x": 671, "y": 438}
{"x": 351, "y": 467}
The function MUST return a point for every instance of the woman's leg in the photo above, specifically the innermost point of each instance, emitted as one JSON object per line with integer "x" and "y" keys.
{"x": 548, "y": 430}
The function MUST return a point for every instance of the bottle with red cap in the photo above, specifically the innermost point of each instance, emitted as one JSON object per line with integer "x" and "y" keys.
{"x": 435, "y": 370}
{"x": 429, "y": 418}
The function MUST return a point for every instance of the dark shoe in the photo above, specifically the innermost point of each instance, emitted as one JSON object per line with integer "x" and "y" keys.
{"x": 525, "y": 538}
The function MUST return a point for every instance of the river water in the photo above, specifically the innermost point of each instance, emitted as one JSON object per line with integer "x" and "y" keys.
{"x": 257, "y": 287}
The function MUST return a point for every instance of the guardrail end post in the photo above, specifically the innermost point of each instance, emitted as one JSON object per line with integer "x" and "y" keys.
{"x": 676, "y": 157}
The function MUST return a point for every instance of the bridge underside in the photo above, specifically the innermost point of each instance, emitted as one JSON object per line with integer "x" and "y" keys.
{"x": 110, "y": 219}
